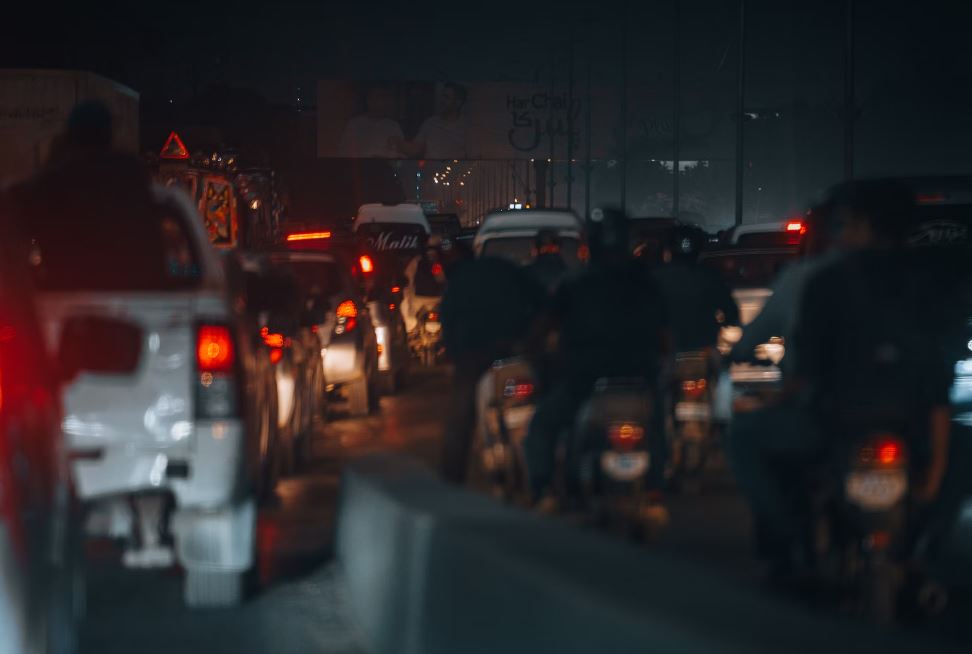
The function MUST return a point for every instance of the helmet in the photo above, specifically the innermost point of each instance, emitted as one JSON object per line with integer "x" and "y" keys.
{"x": 609, "y": 236}
{"x": 685, "y": 242}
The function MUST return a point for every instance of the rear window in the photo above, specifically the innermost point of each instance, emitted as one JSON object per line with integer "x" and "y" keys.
{"x": 519, "y": 249}
{"x": 113, "y": 253}
{"x": 321, "y": 278}
{"x": 750, "y": 269}
{"x": 943, "y": 225}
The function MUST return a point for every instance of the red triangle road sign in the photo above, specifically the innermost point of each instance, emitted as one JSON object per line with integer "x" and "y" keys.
{"x": 174, "y": 148}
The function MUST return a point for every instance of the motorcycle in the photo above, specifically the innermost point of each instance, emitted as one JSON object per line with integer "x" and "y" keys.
{"x": 612, "y": 445}
{"x": 426, "y": 338}
{"x": 862, "y": 523}
{"x": 691, "y": 428}
{"x": 506, "y": 401}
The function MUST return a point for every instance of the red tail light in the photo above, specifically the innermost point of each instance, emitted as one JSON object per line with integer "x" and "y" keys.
{"x": 518, "y": 389}
{"x": 308, "y": 236}
{"x": 694, "y": 387}
{"x": 885, "y": 451}
{"x": 432, "y": 317}
{"x": 796, "y": 226}
{"x": 214, "y": 349}
{"x": 625, "y": 436}
{"x": 396, "y": 289}
{"x": 272, "y": 340}
{"x": 437, "y": 269}
{"x": 347, "y": 309}
{"x": 367, "y": 265}
{"x": 276, "y": 354}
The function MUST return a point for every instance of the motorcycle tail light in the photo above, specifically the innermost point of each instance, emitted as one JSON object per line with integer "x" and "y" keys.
{"x": 518, "y": 389}
{"x": 694, "y": 387}
{"x": 882, "y": 452}
{"x": 625, "y": 436}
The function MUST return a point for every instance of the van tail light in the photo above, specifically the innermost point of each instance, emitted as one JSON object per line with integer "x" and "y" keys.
{"x": 366, "y": 264}
{"x": 216, "y": 391}
{"x": 347, "y": 317}
{"x": 625, "y": 436}
{"x": 694, "y": 388}
{"x": 883, "y": 452}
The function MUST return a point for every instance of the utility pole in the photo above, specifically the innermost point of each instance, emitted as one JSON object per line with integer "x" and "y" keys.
{"x": 624, "y": 107}
{"x": 740, "y": 111}
{"x": 587, "y": 127}
{"x": 677, "y": 110}
{"x": 570, "y": 115}
{"x": 849, "y": 108}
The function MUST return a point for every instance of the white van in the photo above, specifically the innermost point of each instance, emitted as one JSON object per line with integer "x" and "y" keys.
{"x": 511, "y": 234}
{"x": 393, "y": 227}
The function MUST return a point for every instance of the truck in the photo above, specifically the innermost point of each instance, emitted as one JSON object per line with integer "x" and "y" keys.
{"x": 34, "y": 105}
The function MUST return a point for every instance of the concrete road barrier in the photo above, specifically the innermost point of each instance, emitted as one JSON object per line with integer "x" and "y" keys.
{"x": 437, "y": 570}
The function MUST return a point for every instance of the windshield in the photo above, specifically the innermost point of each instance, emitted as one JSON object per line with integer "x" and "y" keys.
{"x": 519, "y": 249}
{"x": 315, "y": 278}
{"x": 113, "y": 253}
{"x": 749, "y": 269}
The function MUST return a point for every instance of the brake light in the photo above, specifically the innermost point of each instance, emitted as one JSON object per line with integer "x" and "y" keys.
{"x": 930, "y": 198}
{"x": 882, "y": 452}
{"x": 272, "y": 340}
{"x": 214, "y": 349}
{"x": 276, "y": 354}
{"x": 517, "y": 389}
{"x": 347, "y": 314}
{"x": 396, "y": 289}
{"x": 367, "y": 265}
{"x": 625, "y": 436}
{"x": 432, "y": 317}
{"x": 308, "y": 236}
{"x": 694, "y": 387}
{"x": 796, "y": 226}
{"x": 347, "y": 309}
{"x": 437, "y": 269}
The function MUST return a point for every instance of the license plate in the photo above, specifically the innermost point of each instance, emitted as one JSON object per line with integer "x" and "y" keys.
{"x": 876, "y": 490}
{"x": 624, "y": 466}
{"x": 519, "y": 416}
{"x": 433, "y": 327}
{"x": 685, "y": 411}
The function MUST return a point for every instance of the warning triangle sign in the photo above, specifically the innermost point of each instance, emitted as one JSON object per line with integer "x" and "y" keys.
{"x": 174, "y": 148}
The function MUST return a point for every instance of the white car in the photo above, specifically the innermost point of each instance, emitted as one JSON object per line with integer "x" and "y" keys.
{"x": 511, "y": 234}
{"x": 166, "y": 413}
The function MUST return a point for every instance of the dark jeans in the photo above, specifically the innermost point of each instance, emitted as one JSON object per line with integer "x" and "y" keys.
{"x": 553, "y": 421}
{"x": 767, "y": 450}
{"x": 461, "y": 414}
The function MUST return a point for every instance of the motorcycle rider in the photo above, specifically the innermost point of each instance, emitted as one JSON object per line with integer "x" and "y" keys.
{"x": 548, "y": 265}
{"x": 612, "y": 322}
{"x": 490, "y": 305}
{"x": 863, "y": 357}
{"x": 696, "y": 295}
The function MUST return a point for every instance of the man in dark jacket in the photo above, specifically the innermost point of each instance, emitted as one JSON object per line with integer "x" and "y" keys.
{"x": 490, "y": 305}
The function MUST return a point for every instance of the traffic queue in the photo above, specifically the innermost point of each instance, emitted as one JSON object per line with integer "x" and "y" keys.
{"x": 156, "y": 381}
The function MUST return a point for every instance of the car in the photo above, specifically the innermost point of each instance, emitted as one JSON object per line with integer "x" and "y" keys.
{"x": 777, "y": 234}
{"x": 444, "y": 225}
{"x": 165, "y": 403}
{"x": 380, "y": 276}
{"x": 283, "y": 320}
{"x": 511, "y": 234}
{"x": 346, "y": 335}
{"x": 41, "y": 559}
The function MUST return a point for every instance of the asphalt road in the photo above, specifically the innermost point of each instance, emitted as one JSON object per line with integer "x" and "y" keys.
{"x": 299, "y": 603}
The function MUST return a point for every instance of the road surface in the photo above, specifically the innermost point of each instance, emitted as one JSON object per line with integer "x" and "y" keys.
{"x": 299, "y": 605}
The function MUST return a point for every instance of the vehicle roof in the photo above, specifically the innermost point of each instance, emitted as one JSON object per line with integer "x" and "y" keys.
{"x": 530, "y": 220}
{"x": 405, "y": 213}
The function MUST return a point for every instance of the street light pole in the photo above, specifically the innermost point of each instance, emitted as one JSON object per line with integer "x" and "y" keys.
{"x": 740, "y": 110}
{"x": 849, "y": 109}
{"x": 677, "y": 109}
{"x": 587, "y": 127}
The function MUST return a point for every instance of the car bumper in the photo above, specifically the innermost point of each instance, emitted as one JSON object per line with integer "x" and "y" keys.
{"x": 344, "y": 361}
{"x": 204, "y": 475}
